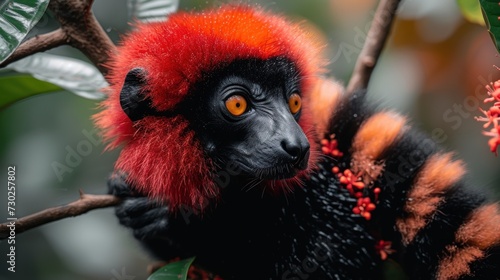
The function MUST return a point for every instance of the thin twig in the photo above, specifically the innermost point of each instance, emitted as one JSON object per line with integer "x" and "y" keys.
{"x": 39, "y": 43}
{"x": 86, "y": 203}
{"x": 375, "y": 41}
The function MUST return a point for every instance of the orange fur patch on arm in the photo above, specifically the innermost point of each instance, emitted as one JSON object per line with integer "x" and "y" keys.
{"x": 377, "y": 134}
{"x": 374, "y": 136}
{"x": 439, "y": 173}
{"x": 482, "y": 229}
{"x": 456, "y": 264}
{"x": 324, "y": 98}
{"x": 479, "y": 232}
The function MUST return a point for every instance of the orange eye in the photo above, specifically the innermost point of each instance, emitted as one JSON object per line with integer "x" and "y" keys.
{"x": 295, "y": 103}
{"x": 236, "y": 105}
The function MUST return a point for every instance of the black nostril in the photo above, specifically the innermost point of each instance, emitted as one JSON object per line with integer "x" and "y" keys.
{"x": 293, "y": 149}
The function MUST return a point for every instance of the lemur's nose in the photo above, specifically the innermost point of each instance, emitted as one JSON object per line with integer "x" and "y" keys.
{"x": 298, "y": 151}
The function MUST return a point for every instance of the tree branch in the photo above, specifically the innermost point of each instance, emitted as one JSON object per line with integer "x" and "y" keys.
{"x": 86, "y": 203}
{"x": 375, "y": 41}
{"x": 79, "y": 28}
{"x": 83, "y": 30}
{"x": 39, "y": 43}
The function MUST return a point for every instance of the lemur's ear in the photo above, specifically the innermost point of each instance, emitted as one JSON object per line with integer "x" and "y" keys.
{"x": 133, "y": 99}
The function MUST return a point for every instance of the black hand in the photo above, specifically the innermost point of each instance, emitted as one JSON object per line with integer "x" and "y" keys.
{"x": 147, "y": 218}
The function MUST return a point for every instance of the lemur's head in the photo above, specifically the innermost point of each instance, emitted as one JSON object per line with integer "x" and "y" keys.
{"x": 203, "y": 91}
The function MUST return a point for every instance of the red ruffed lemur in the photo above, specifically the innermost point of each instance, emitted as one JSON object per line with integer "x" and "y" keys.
{"x": 238, "y": 152}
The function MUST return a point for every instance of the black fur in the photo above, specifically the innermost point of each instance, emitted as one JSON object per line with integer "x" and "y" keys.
{"x": 349, "y": 115}
{"x": 311, "y": 233}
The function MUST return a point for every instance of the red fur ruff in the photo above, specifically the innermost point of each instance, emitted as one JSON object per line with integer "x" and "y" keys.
{"x": 162, "y": 157}
{"x": 158, "y": 163}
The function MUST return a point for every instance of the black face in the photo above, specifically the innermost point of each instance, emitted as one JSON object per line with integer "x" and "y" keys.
{"x": 246, "y": 115}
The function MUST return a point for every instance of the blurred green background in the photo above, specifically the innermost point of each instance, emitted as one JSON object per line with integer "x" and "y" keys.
{"x": 434, "y": 63}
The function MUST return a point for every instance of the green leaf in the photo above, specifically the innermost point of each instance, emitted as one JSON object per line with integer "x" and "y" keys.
{"x": 173, "y": 271}
{"x": 16, "y": 88}
{"x": 76, "y": 76}
{"x": 152, "y": 10}
{"x": 471, "y": 11}
{"x": 491, "y": 12}
{"x": 17, "y": 18}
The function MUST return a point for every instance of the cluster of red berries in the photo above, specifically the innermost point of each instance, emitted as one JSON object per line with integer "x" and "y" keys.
{"x": 330, "y": 147}
{"x": 358, "y": 189}
{"x": 492, "y": 116}
{"x": 351, "y": 181}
